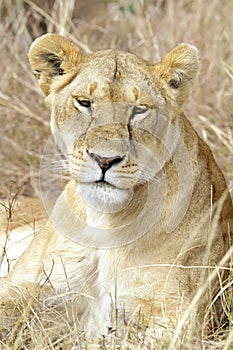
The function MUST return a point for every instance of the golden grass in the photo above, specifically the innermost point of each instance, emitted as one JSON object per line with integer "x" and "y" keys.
{"x": 145, "y": 27}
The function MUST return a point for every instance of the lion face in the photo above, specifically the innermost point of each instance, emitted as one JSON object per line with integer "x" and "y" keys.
{"x": 114, "y": 115}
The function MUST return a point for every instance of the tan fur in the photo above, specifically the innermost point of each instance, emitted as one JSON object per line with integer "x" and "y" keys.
{"x": 124, "y": 244}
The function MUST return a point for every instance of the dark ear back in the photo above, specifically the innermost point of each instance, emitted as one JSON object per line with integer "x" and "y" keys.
{"x": 178, "y": 70}
{"x": 52, "y": 55}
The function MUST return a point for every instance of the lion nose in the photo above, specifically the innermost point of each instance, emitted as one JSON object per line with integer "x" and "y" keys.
{"x": 105, "y": 162}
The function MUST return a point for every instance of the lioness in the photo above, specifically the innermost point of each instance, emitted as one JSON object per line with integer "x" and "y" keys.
{"x": 145, "y": 218}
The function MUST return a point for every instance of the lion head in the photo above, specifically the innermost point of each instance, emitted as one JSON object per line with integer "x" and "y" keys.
{"x": 115, "y": 116}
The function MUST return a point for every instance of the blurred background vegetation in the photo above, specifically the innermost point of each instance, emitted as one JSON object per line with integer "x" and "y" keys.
{"x": 149, "y": 28}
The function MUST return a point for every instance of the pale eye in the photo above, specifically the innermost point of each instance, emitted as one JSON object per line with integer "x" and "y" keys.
{"x": 139, "y": 109}
{"x": 82, "y": 104}
{"x": 139, "y": 112}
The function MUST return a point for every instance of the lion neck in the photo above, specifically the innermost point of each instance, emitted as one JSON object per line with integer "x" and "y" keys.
{"x": 91, "y": 228}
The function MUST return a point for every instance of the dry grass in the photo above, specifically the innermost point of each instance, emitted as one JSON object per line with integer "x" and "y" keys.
{"x": 145, "y": 27}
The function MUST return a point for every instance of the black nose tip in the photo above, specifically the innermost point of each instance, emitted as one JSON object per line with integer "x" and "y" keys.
{"x": 105, "y": 162}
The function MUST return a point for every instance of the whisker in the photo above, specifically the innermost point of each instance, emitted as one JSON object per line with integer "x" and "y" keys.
{"x": 146, "y": 176}
{"x": 58, "y": 164}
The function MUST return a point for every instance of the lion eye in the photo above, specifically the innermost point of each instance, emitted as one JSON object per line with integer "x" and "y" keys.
{"x": 139, "y": 112}
{"x": 139, "y": 109}
{"x": 84, "y": 103}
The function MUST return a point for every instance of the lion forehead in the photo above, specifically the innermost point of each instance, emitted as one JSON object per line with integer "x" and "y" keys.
{"x": 112, "y": 75}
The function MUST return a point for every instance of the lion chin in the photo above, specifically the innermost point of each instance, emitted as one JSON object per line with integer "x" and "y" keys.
{"x": 104, "y": 197}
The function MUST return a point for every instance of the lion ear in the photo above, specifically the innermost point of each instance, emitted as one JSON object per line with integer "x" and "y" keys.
{"x": 178, "y": 70}
{"x": 52, "y": 55}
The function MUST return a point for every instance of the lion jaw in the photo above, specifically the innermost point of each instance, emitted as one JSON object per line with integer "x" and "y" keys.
{"x": 105, "y": 197}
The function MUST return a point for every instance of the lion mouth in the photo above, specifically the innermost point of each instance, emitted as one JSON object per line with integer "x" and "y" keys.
{"x": 100, "y": 184}
{"x": 103, "y": 183}
{"x": 104, "y": 196}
